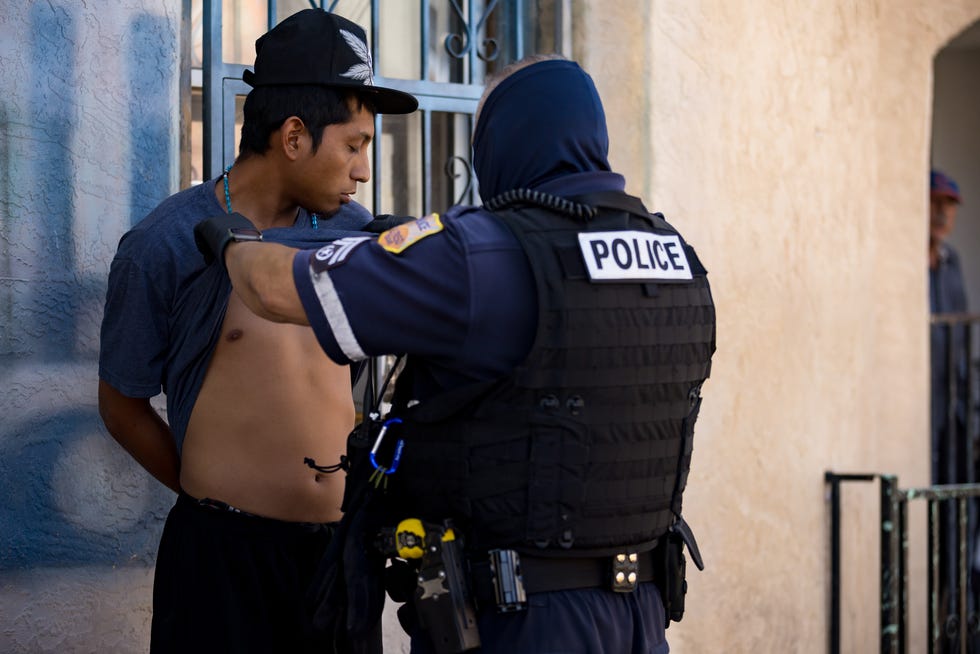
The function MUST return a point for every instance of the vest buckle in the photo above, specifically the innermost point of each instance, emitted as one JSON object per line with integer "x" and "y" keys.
{"x": 625, "y": 572}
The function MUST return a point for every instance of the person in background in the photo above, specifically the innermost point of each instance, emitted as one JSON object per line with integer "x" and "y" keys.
{"x": 951, "y": 463}
{"x": 947, "y": 295}
{"x": 247, "y": 400}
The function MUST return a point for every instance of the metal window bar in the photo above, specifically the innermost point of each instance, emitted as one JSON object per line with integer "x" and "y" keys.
{"x": 469, "y": 52}
{"x": 834, "y": 481}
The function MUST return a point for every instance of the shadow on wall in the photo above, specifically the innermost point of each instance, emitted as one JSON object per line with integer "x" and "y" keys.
{"x": 71, "y": 494}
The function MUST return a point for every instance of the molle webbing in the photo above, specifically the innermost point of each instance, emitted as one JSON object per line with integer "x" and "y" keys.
{"x": 587, "y": 445}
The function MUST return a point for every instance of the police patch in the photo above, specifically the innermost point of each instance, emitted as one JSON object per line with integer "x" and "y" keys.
{"x": 398, "y": 239}
{"x": 334, "y": 254}
{"x": 633, "y": 256}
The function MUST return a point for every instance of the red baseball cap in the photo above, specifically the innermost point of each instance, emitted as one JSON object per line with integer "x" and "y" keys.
{"x": 942, "y": 185}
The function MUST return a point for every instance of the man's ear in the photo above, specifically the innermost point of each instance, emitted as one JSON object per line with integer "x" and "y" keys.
{"x": 294, "y": 138}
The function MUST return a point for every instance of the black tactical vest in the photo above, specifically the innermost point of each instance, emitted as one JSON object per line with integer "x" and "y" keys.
{"x": 587, "y": 445}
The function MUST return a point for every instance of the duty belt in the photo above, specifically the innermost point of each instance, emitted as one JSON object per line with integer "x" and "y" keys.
{"x": 504, "y": 578}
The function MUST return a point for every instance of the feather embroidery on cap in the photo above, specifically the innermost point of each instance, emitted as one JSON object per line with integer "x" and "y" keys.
{"x": 363, "y": 70}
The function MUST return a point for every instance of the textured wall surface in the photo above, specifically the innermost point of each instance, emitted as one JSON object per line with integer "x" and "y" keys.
{"x": 789, "y": 140}
{"x": 88, "y": 143}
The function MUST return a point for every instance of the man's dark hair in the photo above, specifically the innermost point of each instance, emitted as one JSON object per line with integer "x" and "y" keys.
{"x": 267, "y": 108}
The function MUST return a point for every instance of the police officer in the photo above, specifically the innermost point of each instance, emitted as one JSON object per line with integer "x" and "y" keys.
{"x": 557, "y": 339}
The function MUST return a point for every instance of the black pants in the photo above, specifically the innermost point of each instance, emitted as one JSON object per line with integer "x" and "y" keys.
{"x": 232, "y": 582}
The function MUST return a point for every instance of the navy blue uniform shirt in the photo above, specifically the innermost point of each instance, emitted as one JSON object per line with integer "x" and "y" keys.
{"x": 461, "y": 298}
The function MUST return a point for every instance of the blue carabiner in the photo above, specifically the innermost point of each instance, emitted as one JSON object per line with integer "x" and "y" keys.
{"x": 399, "y": 446}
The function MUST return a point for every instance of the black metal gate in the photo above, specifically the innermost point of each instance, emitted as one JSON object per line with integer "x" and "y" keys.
{"x": 953, "y": 624}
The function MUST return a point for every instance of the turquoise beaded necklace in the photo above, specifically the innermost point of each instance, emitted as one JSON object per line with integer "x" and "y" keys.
{"x": 227, "y": 193}
{"x": 228, "y": 197}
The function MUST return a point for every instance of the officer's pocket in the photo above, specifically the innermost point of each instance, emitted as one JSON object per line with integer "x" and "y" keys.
{"x": 558, "y": 462}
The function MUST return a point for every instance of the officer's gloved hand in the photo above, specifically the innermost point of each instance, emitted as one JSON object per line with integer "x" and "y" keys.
{"x": 386, "y": 221}
{"x": 212, "y": 235}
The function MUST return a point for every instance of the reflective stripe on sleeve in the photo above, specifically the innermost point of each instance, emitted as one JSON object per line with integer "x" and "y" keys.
{"x": 336, "y": 318}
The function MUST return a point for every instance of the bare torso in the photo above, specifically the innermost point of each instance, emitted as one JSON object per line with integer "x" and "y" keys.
{"x": 270, "y": 398}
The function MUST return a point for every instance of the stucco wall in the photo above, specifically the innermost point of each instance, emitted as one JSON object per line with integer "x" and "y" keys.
{"x": 789, "y": 140}
{"x": 88, "y": 143}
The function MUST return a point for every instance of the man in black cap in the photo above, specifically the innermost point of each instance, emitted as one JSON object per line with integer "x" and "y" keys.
{"x": 557, "y": 339}
{"x": 247, "y": 400}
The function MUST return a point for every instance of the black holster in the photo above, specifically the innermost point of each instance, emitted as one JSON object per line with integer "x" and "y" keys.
{"x": 671, "y": 567}
{"x": 671, "y": 581}
{"x": 442, "y": 599}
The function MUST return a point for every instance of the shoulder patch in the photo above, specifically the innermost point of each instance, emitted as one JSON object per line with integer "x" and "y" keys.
{"x": 398, "y": 239}
{"x": 335, "y": 253}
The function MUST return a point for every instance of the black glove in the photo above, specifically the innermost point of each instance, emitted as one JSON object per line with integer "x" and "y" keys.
{"x": 386, "y": 221}
{"x": 213, "y": 235}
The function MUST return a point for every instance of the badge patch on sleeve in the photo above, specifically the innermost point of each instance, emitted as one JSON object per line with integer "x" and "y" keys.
{"x": 398, "y": 239}
{"x": 633, "y": 256}
{"x": 335, "y": 253}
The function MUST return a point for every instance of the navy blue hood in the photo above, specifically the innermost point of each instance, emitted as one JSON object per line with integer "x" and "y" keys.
{"x": 542, "y": 122}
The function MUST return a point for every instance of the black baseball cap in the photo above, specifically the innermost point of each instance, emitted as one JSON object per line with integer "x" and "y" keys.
{"x": 314, "y": 47}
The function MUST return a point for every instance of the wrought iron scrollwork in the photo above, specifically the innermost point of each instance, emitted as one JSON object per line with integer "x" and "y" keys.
{"x": 458, "y": 45}
{"x": 453, "y": 175}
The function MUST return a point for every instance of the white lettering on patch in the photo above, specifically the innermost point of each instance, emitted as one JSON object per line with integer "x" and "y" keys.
{"x": 633, "y": 256}
{"x": 334, "y": 254}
